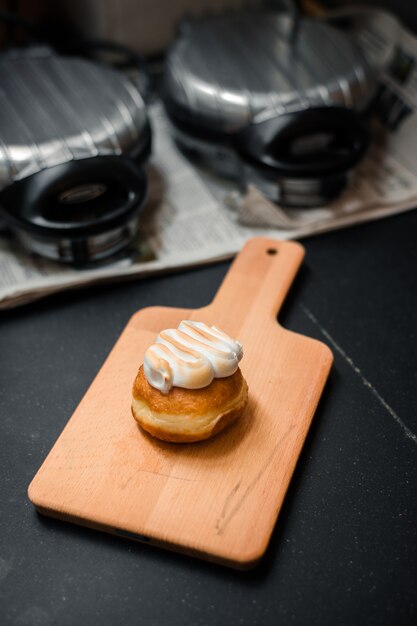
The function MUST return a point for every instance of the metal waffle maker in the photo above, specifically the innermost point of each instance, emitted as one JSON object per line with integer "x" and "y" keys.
{"x": 74, "y": 136}
{"x": 270, "y": 100}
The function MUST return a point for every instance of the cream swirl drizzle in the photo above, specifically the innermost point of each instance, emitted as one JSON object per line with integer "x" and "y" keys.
{"x": 190, "y": 357}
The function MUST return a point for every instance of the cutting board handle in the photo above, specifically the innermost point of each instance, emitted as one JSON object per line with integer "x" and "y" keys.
{"x": 258, "y": 279}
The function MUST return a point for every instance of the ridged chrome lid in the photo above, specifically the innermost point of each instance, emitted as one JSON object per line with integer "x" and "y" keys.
{"x": 57, "y": 109}
{"x": 225, "y": 71}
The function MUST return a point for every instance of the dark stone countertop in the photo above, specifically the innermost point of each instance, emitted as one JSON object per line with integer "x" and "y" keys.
{"x": 344, "y": 550}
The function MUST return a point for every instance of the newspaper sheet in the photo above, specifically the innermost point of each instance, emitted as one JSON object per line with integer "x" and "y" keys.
{"x": 192, "y": 218}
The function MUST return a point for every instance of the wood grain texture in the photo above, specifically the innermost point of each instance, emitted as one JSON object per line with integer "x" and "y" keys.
{"x": 217, "y": 499}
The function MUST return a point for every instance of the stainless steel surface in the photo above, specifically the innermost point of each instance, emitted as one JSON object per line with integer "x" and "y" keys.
{"x": 228, "y": 73}
{"x": 225, "y": 72}
{"x": 94, "y": 248}
{"x": 58, "y": 109}
{"x": 295, "y": 193}
{"x": 219, "y": 157}
{"x": 224, "y": 161}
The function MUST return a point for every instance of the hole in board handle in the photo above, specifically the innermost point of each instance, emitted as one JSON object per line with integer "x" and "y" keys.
{"x": 272, "y": 251}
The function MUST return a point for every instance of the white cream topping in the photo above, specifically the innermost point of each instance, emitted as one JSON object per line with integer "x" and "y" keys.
{"x": 190, "y": 356}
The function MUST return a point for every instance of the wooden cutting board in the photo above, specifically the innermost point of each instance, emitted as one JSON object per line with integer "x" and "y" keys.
{"x": 218, "y": 499}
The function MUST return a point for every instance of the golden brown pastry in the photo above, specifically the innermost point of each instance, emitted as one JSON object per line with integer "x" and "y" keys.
{"x": 185, "y": 415}
{"x": 190, "y": 386}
